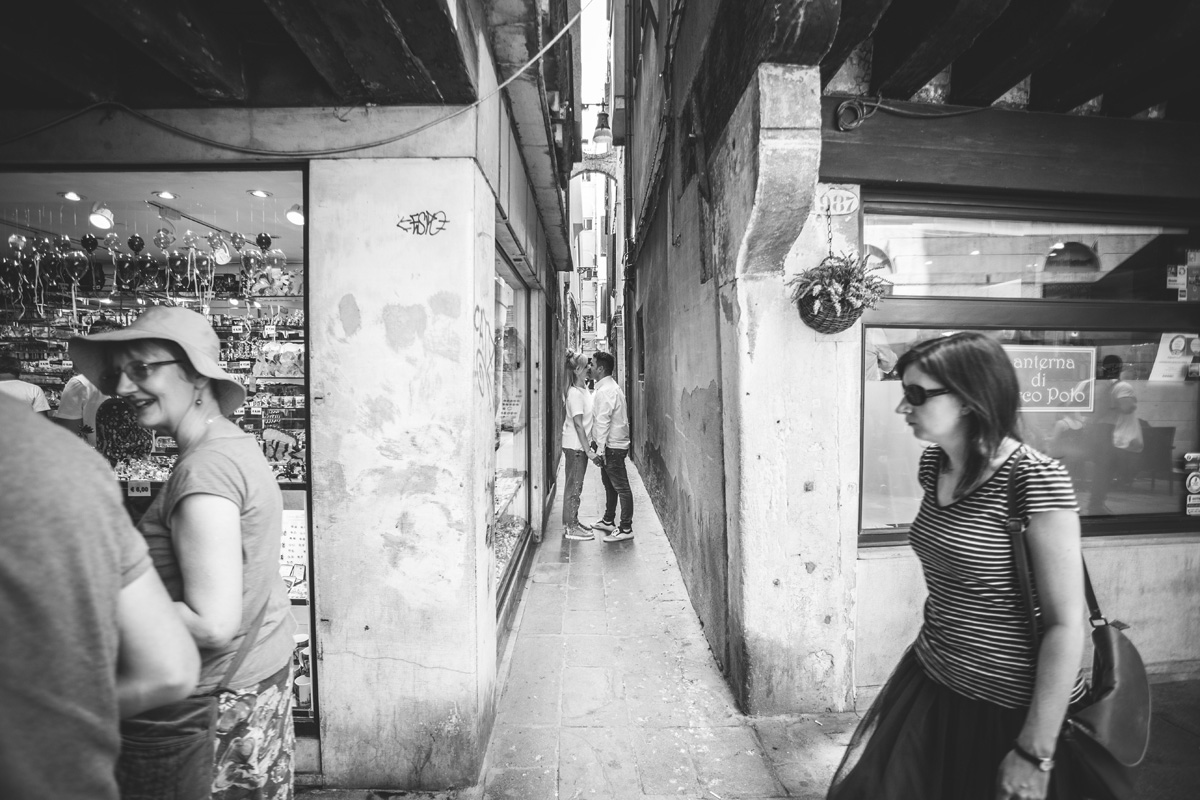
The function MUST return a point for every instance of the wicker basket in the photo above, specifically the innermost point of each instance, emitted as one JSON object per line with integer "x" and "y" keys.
{"x": 825, "y": 320}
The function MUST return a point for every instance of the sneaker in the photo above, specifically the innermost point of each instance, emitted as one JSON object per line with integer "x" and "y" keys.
{"x": 603, "y": 525}
{"x": 618, "y": 536}
{"x": 578, "y": 534}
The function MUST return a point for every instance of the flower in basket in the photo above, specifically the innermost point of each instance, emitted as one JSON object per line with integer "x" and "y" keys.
{"x": 842, "y": 284}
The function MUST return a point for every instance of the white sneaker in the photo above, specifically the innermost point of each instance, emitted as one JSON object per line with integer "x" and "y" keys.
{"x": 603, "y": 526}
{"x": 618, "y": 536}
{"x": 578, "y": 534}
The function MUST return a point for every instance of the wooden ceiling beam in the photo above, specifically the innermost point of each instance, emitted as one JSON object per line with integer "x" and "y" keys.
{"x": 183, "y": 38}
{"x": 446, "y": 49}
{"x": 917, "y": 39}
{"x": 374, "y": 43}
{"x": 80, "y": 70}
{"x": 858, "y": 21}
{"x": 1175, "y": 77}
{"x": 1128, "y": 45}
{"x": 1029, "y": 34}
{"x": 301, "y": 21}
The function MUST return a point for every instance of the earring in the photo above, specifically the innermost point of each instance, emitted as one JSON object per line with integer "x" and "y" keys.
{"x": 199, "y": 402}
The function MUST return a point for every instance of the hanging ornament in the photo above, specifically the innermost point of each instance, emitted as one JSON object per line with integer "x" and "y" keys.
{"x": 136, "y": 243}
{"x": 263, "y": 240}
{"x": 276, "y": 259}
{"x": 177, "y": 262}
{"x": 129, "y": 271}
{"x": 163, "y": 238}
{"x": 190, "y": 239}
{"x": 17, "y": 242}
{"x": 112, "y": 240}
{"x": 43, "y": 245}
{"x": 52, "y": 261}
{"x": 251, "y": 262}
{"x": 62, "y": 243}
{"x": 237, "y": 240}
{"x": 203, "y": 262}
{"x": 151, "y": 273}
{"x": 221, "y": 254}
{"x": 89, "y": 242}
{"x": 75, "y": 264}
{"x": 93, "y": 278}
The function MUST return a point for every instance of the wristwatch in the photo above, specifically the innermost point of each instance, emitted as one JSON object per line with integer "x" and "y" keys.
{"x": 1043, "y": 764}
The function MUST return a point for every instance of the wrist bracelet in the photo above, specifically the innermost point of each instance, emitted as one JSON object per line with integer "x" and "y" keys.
{"x": 1044, "y": 764}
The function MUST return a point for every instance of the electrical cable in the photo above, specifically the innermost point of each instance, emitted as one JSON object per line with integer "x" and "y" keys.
{"x": 857, "y": 110}
{"x": 254, "y": 151}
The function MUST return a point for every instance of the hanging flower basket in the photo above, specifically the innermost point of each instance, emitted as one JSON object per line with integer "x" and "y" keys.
{"x": 833, "y": 295}
{"x": 825, "y": 319}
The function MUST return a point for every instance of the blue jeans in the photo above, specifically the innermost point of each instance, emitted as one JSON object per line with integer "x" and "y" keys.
{"x": 616, "y": 485}
{"x": 577, "y": 461}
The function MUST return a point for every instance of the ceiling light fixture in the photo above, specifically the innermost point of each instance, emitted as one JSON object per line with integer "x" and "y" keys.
{"x": 165, "y": 195}
{"x": 603, "y": 133}
{"x": 74, "y": 197}
{"x": 258, "y": 192}
{"x": 101, "y": 216}
{"x": 295, "y": 214}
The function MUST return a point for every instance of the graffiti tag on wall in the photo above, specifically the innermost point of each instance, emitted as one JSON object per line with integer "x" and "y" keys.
{"x": 485, "y": 354}
{"x": 424, "y": 223}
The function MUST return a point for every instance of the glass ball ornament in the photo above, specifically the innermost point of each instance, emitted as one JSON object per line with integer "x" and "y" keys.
{"x": 17, "y": 242}
{"x": 136, "y": 243}
{"x": 237, "y": 240}
{"x": 128, "y": 274}
{"x": 75, "y": 264}
{"x": 190, "y": 239}
{"x": 163, "y": 239}
{"x": 43, "y": 244}
{"x": 252, "y": 262}
{"x": 112, "y": 240}
{"x": 52, "y": 261}
{"x": 177, "y": 262}
{"x": 89, "y": 242}
{"x": 276, "y": 259}
{"x": 263, "y": 240}
{"x": 203, "y": 262}
{"x": 146, "y": 265}
{"x": 62, "y": 242}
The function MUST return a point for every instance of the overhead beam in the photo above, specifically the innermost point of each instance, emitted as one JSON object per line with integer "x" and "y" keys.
{"x": 1129, "y": 44}
{"x": 1028, "y": 35}
{"x": 1176, "y": 77}
{"x": 857, "y": 23}
{"x": 301, "y": 21}
{"x": 183, "y": 38}
{"x": 446, "y": 49}
{"x": 77, "y": 69}
{"x": 917, "y": 39}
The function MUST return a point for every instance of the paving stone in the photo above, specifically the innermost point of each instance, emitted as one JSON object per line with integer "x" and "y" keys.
{"x": 597, "y": 764}
{"x": 730, "y": 762}
{"x": 585, "y": 621}
{"x": 584, "y": 580}
{"x": 541, "y": 597}
{"x": 523, "y": 747}
{"x": 522, "y": 784}
{"x": 545, "y": 622}
{"x": 593, "y": 697}
{"x": 541, "y": 653}
{"x": 801, "y": 751}
{"x": 665, "y": 762}
{"x": 531, "y": 697}
{"x": 593, "y": 651}
{"x": 586, "y": 599}
{"x": 549, "y": 572}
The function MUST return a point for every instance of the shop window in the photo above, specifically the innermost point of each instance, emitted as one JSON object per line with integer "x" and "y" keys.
{"x": 511, "y": 495}
{"x": 195, "y": 239}
{"x": 935, "y": 256}
{"x": 1117, "y": 408}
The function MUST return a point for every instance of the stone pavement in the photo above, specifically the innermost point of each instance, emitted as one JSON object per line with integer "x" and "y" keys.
{"x": 612, "y": 692}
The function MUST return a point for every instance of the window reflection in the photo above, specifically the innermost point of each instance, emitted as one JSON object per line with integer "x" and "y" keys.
{"x": 511, "y": 344}
{"x": 1119, "y": 409}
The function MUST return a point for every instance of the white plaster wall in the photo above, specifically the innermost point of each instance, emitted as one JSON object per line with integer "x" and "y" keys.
{"x": 401, "y": 441}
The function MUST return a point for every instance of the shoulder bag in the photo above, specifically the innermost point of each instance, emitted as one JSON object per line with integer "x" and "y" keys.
{"x": 168, "y": 753}
{"x": 1108, "y": 734}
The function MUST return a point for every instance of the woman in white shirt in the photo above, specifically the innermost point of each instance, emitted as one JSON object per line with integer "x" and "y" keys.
{"x": 576, "y": 435}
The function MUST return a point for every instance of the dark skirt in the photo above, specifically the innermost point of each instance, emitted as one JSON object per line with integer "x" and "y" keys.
{"x": 923, "y": 741}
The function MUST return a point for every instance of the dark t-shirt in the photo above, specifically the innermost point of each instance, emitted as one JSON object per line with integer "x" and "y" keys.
{"x": 67, "y": 548}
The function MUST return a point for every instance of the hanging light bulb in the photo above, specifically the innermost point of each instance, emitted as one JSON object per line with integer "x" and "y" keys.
{"x": 603, "y": 133}
{"x": 295, "y": 214}
{"x": 101, "y": 216}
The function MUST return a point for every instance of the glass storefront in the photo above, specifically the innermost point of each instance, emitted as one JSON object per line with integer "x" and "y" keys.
{"x": 512, "y": 491}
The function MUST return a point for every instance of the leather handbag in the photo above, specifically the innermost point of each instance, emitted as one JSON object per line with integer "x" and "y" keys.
{"x": 167, "y": 753}
{"x": 1108, "y": 733}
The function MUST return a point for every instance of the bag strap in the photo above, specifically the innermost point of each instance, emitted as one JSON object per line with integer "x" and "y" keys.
{"x": 1016, "y": 531}
{"x": 243, "y": 649}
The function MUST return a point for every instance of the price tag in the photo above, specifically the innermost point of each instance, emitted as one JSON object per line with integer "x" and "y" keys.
{"x": 68, "y": 364}
{"x": 238, "y": 329}
{"x": 256, "y": 411}
{"x": 299, "y": 402}
{"x": 269, "y": 330}
{"x": 223, "y": 364}
{"x": 138, "y": 489}
{"x": 239, "y": 411}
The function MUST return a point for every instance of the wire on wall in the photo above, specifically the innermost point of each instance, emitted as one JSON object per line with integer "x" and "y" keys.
{"x": 857, "y": 110}
{"x": 255, "y": 151}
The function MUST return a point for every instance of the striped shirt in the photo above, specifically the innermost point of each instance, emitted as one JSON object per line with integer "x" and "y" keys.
{"x": 975, "y": 638}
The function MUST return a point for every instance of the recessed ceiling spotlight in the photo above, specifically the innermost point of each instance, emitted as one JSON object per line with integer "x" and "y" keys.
{"x": 74, "y": 197}
{"x": 258, "y": 192}
{"x": 974, "y": 252}
{"x": 165, "y": 195}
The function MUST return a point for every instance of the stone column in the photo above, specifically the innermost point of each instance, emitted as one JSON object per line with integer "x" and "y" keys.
{"x": 402, "y": 425}
{"x": 791, "y": 426}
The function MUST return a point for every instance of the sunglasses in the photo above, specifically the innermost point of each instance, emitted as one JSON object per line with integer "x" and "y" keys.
{"x": 136, "y": 371}
{"x": 916, "y": 395}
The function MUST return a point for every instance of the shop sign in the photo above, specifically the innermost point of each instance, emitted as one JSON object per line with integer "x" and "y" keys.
{"x": 1054, "y": 378}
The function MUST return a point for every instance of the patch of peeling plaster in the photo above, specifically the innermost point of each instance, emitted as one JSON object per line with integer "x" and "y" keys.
{"x": 350, "y": 315}
{"x": 403, "y": 325}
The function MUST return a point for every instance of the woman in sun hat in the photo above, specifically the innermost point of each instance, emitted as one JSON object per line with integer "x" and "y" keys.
{"x": 214, "y": 532}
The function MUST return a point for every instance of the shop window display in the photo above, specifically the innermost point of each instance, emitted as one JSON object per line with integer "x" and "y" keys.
{"x": 511, "y": 497}
{"x": 1118, "y": 408}
{"x": 69, "y": 267}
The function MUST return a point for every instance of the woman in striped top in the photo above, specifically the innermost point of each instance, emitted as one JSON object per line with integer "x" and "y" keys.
{"x": 972, "y": 712}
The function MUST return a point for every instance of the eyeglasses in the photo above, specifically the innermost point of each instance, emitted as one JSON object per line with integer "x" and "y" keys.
{"x": 136, "y": 371}
{"x": 916, "y": 395}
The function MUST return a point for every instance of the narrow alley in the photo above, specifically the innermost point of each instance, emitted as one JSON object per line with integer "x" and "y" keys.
{"x": 612, "y": 691}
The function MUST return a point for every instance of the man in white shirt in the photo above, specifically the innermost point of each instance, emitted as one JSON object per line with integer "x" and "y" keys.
{"x": 77, "y": 408}
{"x": 12, "y": 386}
{"x": 610, "y": 441}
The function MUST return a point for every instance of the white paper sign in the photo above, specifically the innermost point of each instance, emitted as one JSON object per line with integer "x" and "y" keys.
{"x": 1175, "y": 351}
